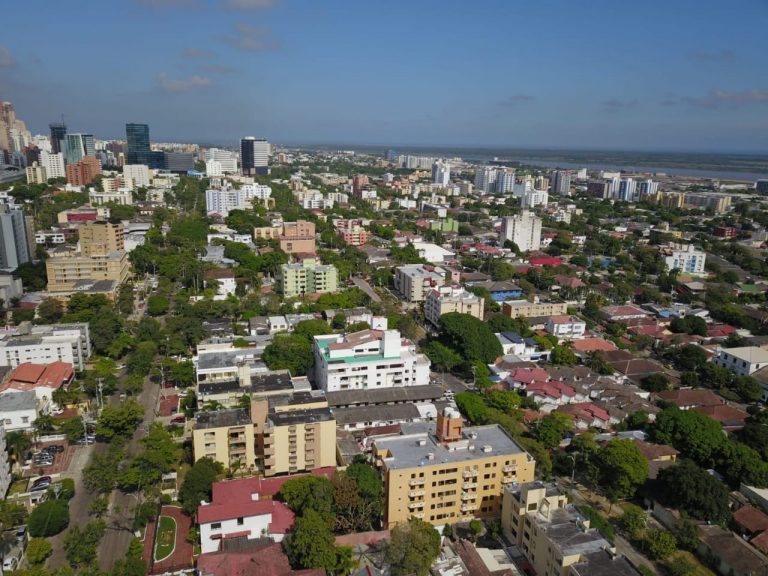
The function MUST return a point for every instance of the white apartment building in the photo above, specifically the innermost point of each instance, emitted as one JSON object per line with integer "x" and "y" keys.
{"x": 116, "y": 183}
{"x": 446, "y": 299}
{"x": 226, "y": 159}
{"x": 53, "y": 164}
{"x": 533, "y": 198}
{"x": 742, "y": 361}
{"x": 566, "y": 327}
{"x": 139, "y": 173}
{"x": 687, "y": 259}
{"x": 414, "y": 281}
{"x": 441, "y": 173}
{"x": 213, "y": 168}
{"x": 45, "y": 344}
{"x": 18, "y": 410}
{"x": 122, "y": 196}
{"x": 36, "y": 174}
{"x": 523, "y": 229}
{"x": 368, "y": 359}
{"x": 222, "y": 200}
{"x": 485, "y": 179}
{"x": 505, "y": 181}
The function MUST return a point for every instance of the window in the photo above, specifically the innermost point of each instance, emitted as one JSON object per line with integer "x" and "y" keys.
{"x": 216, "y": 526}
{"x": 240, "y": 521}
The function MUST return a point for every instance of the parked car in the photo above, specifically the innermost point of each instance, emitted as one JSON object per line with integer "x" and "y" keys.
{"x": 21, "y": 533}
{"x": 179, "y": 419}
{"x": 10, "y": 563}
{"x": 42, "y": 483}
{"x": 89, "y": 439}
{"x": 54, "y": 449}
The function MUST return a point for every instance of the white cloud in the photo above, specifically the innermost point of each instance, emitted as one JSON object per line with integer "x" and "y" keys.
{"x": 251, "y": 38}
{"x": 181, "y": 84}
{"x": 723, "y": 98}
{"x": 6, "y": 58}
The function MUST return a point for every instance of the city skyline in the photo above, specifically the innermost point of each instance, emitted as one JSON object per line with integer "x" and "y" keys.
{"x": 550, "y": 75}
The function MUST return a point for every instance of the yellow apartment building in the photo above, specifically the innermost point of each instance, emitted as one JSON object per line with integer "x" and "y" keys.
{"x": 449, "y": 473}
{"x": 526, "y": 309}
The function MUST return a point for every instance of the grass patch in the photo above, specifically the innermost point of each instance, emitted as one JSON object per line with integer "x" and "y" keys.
{"x": 18, "y": 487}
{"x": 699, "y": 568}
{"x": 165, "y": 541}
{"x": 598, "y": 521}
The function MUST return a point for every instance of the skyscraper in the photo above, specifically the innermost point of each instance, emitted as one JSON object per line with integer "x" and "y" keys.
{"x": 523, "y": 229}
{"x": 15, "y": 245}
{"x": 561, "y": 182}
{"x": 77, "y": 146}
{"x": 137, "y": 138}
{"x": 441, "y": 173}
{"x": 58, "y": 132}
{"x": 628, "y": 190}
{"x": 254, "y": 156}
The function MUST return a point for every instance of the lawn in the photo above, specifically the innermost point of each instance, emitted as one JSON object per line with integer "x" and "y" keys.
{"x": 18, "y": 487}
{"x": 165, "y": 541}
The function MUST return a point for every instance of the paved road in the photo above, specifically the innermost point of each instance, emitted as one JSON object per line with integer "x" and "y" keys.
{"x": 449, "y": 381}
{"x": 115, "y": 543}
{"x": 365, "y": 287}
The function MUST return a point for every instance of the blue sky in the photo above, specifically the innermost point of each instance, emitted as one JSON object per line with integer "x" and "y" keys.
{"x": 650, "y": 75}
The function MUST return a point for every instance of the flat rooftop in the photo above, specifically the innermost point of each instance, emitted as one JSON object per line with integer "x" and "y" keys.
{"x": 300, "y": 416}
{"x": 221, "y": 418}
{"x": 406, "y": 451}
{"x": 384, "y": 395}
{"x": 385, "y": 413}
{"x": 564, "y": 529}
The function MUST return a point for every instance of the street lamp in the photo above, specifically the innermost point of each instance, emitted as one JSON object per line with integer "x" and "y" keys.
{"x": 573, "y": 468}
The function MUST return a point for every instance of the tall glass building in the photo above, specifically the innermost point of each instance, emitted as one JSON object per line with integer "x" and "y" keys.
{"x": 77, "y": 146}
{"x": 137, "y": 137}
{"x": 58, "y": 132}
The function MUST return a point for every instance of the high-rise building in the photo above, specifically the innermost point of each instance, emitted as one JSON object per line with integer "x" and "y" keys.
{"x": 485, "y": 179}
{"x": 761, "y": 187}
{"x": 16, "y": 239}
{"x": 254, "y": 156}
{"x": 84, "y": 171}
{"x": 58, "y": 134}
{"x": 523, "y": 229}
{"x": 391, "y": 155}
{"x": 441, "y": 173}
{"x": 647, "y": 188}
{"x": 307, "y": 277}
{"x": 53, "y": 164}
{"x": 505, "y": 181}
{"x": 226, "y": 158}
{"x": 561, "y": 182}
{"x": 628, "y": 190}
{"x": 179, "y": 161}
{"x": 139, "y": 173}
{"x": 137, "y": 139}
{"x": 101, "y": 238}
{"x": 599, "y": 189}
{"x": 77, "y": 147}
{"x": 36, "y": 174}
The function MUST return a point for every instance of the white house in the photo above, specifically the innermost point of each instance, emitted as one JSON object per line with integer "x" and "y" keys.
{"x": 566, "y": 327}
{"x": 687, "y": 259}
{"x": 45, "y": 344}
{"x": 368, "y": 359}
{"x": 743, "y": 361}
{"x": 18, "y": 410}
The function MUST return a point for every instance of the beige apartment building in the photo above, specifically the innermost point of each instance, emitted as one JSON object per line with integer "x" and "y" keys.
{"x": 448, "y": 473}
{"x": 100, "y": 238}
{"x": 276, "y": 435}
{"x": 415, "y": 281}
{"x": 66, "y": 271}
{"x": 293, "y": 237}
{"x": 307, "y": 277}
{"x": 448, "y": 299}
{"x": 554, "y": 537}
{"x": 526, "y": 309}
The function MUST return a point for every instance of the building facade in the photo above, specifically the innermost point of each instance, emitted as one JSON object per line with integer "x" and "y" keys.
{"x": 368, "y": 359}
{"x": 446, "y": 299}
{"x": 523, "y": 229}
{"x": 45, "y": 344}
{"x": 15, "y": 237}
{"x": 526, "y": 309}
{"x": 686, "y": 259}
{"x": 84, "y": 171}
{"x": 414, "y": 281}
{"x": 448, "y": 473}
{"x": 307, "y": 277}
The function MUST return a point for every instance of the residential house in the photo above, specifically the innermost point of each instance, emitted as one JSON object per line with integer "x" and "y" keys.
{"x": 566, "y": 327}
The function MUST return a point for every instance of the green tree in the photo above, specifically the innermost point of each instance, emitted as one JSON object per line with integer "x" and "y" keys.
{"x": 309, "y": 493}
{"x": 470, "y": 337}
{"x": 473, "y": 407}
{"x": 551, "y": 429}
{"x": 656, "y": 382}
{"x": 311, "y": 328}
{"x": 659, "y": 544}
{"x": 689, "y": 357}
{"x": 119, "y": 420}
{"x": 441, "y": 356}
{"x": 693, "y": 490}
{"x": 197, "y": 484}
{"x": 50, "y": 310}
{"x": 680, "y": 566}
{"x": 311, "y": 544}
{"x": 48, "y": 518}
{"x": 693, "y": 433}
{"x": 101, "y": 474}
{"x": 289, "y": 352}
{"x": 38, "y": 550}
{"x": 634, "y": 520}
{"x": 595, "y": 362}
{"x": 412, "y": 548}
{"x": 72, "y": 428}
{"x": 563, "y": 356}
{"x": 622, "y": 468}
{"x": 81, "y": 544}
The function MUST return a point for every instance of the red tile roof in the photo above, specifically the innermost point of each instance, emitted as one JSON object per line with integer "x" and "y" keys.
{"x": 263, "y": 561}
{"x": 690, "y": 397}
{"x": 28, "y": 376}
{"x": 727, "y": 415}
{"x": 529, "y": 375}
{"x": 585, "y": 411}
{"x": 167, "y": 405}
{"x": 591, "y": 344}
{"x": 551, "y": 261}
{"x": 751, "y": 519}
{"x": 553, "y": 389}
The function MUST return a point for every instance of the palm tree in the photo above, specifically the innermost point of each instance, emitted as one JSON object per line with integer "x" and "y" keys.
{"x": 17, "y": 443}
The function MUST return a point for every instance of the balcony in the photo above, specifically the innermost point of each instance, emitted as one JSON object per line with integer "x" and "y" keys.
{"x": 469, "y": 486}
{"x": 418, "y": 514}
{"x": 470, "y": 474}
{"x": 416, "y": 494}
{"x": 509, "y": 469}
{"x": 468, "y": 496}
{"x": 416, "y": 482}
{"x": 469, "y": 507}
{"x": 269, "y": 451}
{"x": 508, "y": 480}
{"x": 414, "y": 505}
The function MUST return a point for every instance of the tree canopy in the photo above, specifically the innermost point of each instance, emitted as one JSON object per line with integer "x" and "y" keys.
{"x": 473, "y": 339}
{"x": 692, "y": 489}
{"x": 412, "y": 548}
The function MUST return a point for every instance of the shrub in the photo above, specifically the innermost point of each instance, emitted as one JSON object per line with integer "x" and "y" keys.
{"x": 49, "y": 518}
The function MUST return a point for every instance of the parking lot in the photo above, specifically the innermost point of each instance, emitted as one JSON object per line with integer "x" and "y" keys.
{"x": 60, "y": 464}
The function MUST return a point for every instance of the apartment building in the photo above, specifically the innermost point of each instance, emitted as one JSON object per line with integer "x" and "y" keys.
{"x": 307, "y": 277}
{"x": 553, "y": 536}
{"x": 526, "y": 309}
{"x": 68, "y": 271}
{"x": 36, "y": 174}
{"x": 99, "y": 238}
{"x": 448, "y": 473}
{"x": 566, "y": 326}
{"x": 220, "y": 201}
{"x": 415, "y": 281}
{"x": 447, "y": 299}
{"x": 523, "y": 229}
{"x": 293, "y": 237}
{"x": 368, "y": 359}
{"x": 45, "y": 344}
{"x": 742, "y": 361}
{"x": 685, "y": 258}
{"x": 276, "y": 435}
{"x": 121, "y": 196}
{"x": 83, "y": 172}
{"x": 352, "y": 232}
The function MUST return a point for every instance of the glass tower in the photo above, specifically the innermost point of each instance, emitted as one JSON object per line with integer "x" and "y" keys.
{"x": 58, "y": 132}
{"x": 137, "y": 137}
